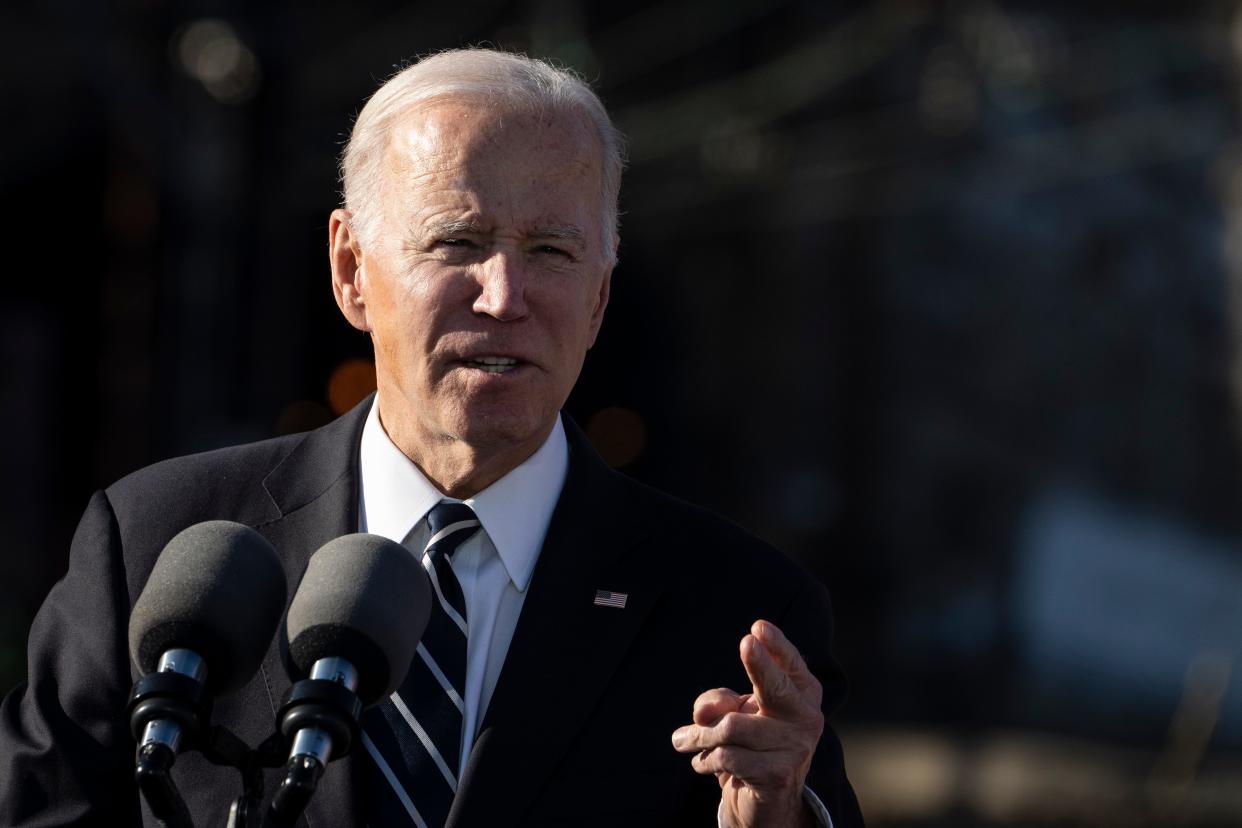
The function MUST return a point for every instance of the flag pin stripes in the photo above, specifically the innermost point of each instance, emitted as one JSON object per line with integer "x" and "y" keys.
{"x": 604, "y": 598}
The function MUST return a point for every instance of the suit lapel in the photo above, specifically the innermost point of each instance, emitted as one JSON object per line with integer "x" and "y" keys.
{"x": 316, "y": 490}
{"x": 565, "y": 648}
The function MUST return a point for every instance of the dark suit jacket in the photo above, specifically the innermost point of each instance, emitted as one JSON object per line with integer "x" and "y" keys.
{"x": 578, "y": 729}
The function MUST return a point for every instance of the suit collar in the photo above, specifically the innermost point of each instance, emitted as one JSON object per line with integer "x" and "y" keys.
{"x": 326, "y": 458}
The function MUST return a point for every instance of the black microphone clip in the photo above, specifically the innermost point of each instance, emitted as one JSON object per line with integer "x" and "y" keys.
{"x": 320, "y": 719}
{"x": 168, "y": 710}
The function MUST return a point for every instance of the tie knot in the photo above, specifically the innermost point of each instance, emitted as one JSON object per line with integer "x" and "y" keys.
{"x": 451, "y": 524}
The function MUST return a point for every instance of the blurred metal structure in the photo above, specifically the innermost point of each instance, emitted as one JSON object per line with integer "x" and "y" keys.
{"x": 942, "y": 298}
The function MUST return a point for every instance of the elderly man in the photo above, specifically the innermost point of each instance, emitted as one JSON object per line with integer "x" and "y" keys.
{"x": 596, "y": 616}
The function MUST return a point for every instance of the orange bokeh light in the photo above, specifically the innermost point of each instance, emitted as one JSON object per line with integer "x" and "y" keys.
{"x": 350, "y": 382}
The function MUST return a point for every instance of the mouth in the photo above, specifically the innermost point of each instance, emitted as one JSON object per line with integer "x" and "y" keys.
{"x": 492, "y": 364}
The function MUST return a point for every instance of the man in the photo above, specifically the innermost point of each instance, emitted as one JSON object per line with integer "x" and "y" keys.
{"x": 596, "y": 616}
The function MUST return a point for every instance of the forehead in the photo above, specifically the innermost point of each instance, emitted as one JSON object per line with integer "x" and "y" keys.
{"x": 494, "y": 151}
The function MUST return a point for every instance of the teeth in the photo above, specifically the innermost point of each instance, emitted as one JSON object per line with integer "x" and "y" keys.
{"x": 494, "y": 365}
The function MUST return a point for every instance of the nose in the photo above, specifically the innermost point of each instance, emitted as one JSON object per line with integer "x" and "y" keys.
{"x": 502, "y": 287}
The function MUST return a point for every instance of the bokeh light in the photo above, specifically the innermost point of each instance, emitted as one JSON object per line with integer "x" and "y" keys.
{"x": 618, "y": 434}
{"x": 211, "y": 52}
{"x": 350, "y": 382}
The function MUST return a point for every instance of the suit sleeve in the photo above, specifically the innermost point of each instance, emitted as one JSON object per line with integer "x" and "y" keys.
{"x": 808, "y": 624}
{"x": 65, "y": 749}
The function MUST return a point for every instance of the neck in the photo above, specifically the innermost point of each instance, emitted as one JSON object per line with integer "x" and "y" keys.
{"x": 457, "y": 468}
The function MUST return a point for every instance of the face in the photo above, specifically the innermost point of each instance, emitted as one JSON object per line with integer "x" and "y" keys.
{"x": 489, "y": 281}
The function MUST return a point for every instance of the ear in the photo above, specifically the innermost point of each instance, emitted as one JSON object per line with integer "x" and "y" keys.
{"x": 601, "y": 302}
{"x": 348, "y": 278}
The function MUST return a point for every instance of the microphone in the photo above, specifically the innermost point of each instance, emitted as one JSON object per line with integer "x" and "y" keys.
{"x": 200, "y": 628}
{"x": 353, "y": 628}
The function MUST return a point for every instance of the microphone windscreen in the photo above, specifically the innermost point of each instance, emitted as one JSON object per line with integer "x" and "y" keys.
{"x": 365, "y": 599}
{"x": 217, "y": 589}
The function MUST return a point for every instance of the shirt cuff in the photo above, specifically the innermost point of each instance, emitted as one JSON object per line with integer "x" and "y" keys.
{"x": 817, "y": 809}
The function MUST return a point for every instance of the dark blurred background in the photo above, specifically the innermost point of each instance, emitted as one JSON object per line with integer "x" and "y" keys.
{"x": 942, "y": 298}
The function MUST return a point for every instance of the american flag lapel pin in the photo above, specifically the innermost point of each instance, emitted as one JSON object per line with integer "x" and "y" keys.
{"x": 604, "y": 598}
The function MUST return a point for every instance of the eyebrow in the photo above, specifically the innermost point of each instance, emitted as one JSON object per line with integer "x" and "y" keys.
{"x": 454, "y": 228}
{"x": 457, "y": 227}
{"x": 564, "y": 232}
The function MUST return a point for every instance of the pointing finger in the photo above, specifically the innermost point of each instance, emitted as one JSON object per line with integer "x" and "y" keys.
{"x": 774, "y": 691}
{"x": 786, "y": 655}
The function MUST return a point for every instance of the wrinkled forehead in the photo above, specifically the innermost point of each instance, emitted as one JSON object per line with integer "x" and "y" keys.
{"x": 483, "y": 136}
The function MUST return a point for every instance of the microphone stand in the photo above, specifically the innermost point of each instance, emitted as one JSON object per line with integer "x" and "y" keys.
{"x": 224, "y": 748}
{"x": 167, "y": 709}
{"x": 151, "y": 772}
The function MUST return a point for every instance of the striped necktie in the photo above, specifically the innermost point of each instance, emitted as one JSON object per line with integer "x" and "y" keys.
{"x": 414, "y": 736}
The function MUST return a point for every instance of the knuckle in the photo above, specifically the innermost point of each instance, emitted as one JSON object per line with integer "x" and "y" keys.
{"x": 816, "y": 691}
{"x": 729, "y": 727}
{"x": 706, "y": 703}
{"x": 709, "y": 698}
{"x": 704, "y": 698}
{"x": 784, "y": 684}
{"x": 727, "y": 757}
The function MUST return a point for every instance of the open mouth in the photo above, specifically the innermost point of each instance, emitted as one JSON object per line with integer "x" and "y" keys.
{"x": 492, "y": 365}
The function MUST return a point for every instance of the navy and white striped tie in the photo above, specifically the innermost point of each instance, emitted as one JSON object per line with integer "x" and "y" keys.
{"x": 414, "y": 736}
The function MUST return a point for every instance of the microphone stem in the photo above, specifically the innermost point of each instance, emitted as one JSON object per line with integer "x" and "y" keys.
{"x": 185, "y": 662}
{"x": 162, "y": 732}
{"x": 311, "y": 750}
{"x": 336, "y": 669}
{"x": 315, "y": 742}
{"x": 152, "y": 773}
{"x": 295, "y": 791}
{"x": 166, "y": 731}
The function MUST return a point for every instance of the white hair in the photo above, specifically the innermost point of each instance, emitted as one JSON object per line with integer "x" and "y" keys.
{"x": 515, "y": 79}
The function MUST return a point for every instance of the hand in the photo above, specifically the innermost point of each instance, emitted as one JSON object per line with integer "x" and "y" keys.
{"x": 759, "y": 744}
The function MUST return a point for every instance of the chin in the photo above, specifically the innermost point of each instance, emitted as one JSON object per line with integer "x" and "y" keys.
{"x": 502, "y": 426}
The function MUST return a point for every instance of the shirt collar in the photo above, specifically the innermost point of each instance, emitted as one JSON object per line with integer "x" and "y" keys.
{"x": 515, "y": 511}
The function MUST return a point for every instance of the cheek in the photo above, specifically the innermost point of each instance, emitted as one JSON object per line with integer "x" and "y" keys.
{"x": 401, "y": 302}
{"x": 395, "y": 330}
{"x": 586, "y": 314}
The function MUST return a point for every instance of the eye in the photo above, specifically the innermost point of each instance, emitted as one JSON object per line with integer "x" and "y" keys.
{"x": 553, "y": 250}
{"x": 454, "y": 242}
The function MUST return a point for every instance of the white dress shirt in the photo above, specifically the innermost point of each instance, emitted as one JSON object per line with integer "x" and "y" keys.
{"x": 493, "y": 566}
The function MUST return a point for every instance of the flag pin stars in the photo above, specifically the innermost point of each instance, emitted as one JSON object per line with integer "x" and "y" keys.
{"x": 604, "y": 598}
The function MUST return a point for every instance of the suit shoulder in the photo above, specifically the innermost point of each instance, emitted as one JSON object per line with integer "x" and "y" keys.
{"x": 700, "y": 536}
{"x": 222, "y": 483}
{"x": 715, "y": 569}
